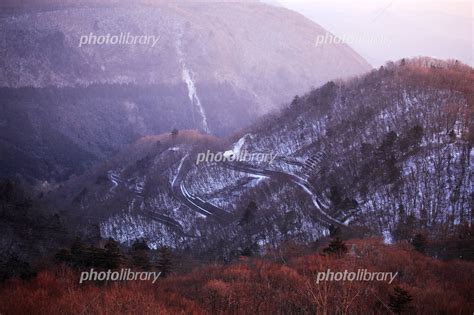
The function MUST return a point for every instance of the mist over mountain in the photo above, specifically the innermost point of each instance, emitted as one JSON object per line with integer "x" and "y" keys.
{"x": 212, "y": 66}
{"x": 391, "y": 30}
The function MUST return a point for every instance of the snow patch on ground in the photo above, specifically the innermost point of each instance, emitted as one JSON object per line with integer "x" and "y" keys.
{"x": 387, "y": 237}
{"x": 239, "y": 144}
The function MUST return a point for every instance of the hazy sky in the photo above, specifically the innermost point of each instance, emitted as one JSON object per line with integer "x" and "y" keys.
{"x": 382, "y": 30}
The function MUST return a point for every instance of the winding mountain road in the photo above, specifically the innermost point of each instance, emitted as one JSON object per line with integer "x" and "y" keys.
{"x": 209, "y": 210}
{"x": 303, "y": 183}
{"x": 195, "y": 203}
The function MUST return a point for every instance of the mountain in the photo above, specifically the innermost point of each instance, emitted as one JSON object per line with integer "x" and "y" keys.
{"x": 389, "y": 153}
{"x": 212, "y": 66}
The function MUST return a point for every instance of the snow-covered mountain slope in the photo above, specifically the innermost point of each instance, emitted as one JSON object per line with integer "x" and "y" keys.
{"x": 266, "y": 51}
{"x": 212, "y": 66}
{"x": 364, "y": 156}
